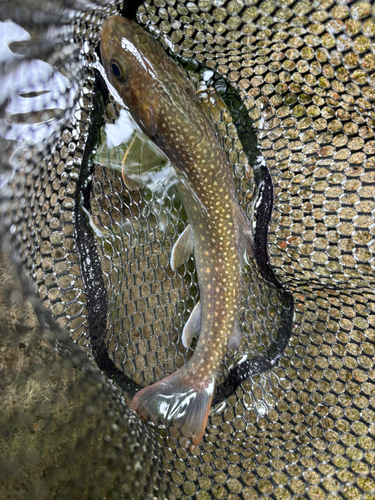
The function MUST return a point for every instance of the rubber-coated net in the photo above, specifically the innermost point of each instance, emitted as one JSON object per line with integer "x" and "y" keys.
{"x": 92, "y": 257}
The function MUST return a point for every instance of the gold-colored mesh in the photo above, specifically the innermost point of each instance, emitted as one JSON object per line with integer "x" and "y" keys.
{"x": 304, "y": 74}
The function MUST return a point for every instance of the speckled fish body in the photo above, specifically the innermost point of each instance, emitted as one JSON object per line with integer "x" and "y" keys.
{"x": 164, "y": 103}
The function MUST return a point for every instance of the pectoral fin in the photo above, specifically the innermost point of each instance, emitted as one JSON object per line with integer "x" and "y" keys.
{"x": 182, "y": 248}
{"x": 192, "y": 326}
{"x": 235, "y": 339}
{"x": 141, "y": 159}
{"x": 244, "y": 237}
{"x": 247, "y": 248}
{"x": 211, "y": 102}
{"x": 130, "y": 160}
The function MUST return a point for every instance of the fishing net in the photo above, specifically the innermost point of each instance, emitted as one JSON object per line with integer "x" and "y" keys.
{"x": 91, "y": 310}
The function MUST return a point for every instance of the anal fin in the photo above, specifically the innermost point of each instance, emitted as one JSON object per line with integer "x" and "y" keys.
{"x": 192, "y": 326}
{"x": 235, "y": 339}
{"x": 182, "y": 248}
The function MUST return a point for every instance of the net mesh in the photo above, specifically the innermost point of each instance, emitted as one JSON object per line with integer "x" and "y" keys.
{"x": 297, "y": 80}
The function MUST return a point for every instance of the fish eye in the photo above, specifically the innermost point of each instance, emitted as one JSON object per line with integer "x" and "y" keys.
{"x": 117, "y": 70}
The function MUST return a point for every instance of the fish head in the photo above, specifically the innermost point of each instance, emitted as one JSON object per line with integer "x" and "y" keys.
{"x": 127, "y": 52}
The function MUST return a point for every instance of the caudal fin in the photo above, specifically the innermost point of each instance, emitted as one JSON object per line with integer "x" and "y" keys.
{"x": 174, "y": 402}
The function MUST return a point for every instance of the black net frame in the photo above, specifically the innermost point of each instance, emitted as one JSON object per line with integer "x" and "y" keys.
{"x": 297, "y": 81}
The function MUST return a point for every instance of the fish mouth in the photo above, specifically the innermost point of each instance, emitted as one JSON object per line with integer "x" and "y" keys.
{"x": 112, "y": 28}
{"x": 114, "y": 24}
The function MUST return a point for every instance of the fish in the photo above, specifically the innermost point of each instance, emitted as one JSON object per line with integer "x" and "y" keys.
{"x": 164, "y": 103}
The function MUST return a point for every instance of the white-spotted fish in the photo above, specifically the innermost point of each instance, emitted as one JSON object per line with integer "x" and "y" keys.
{"x": 165, "y": 105}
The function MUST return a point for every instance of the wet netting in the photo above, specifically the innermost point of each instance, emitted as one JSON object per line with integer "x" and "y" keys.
{"x": 91, "y": 310}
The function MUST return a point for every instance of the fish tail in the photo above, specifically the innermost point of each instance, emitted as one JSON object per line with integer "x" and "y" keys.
{"x": 177, "y": 402}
